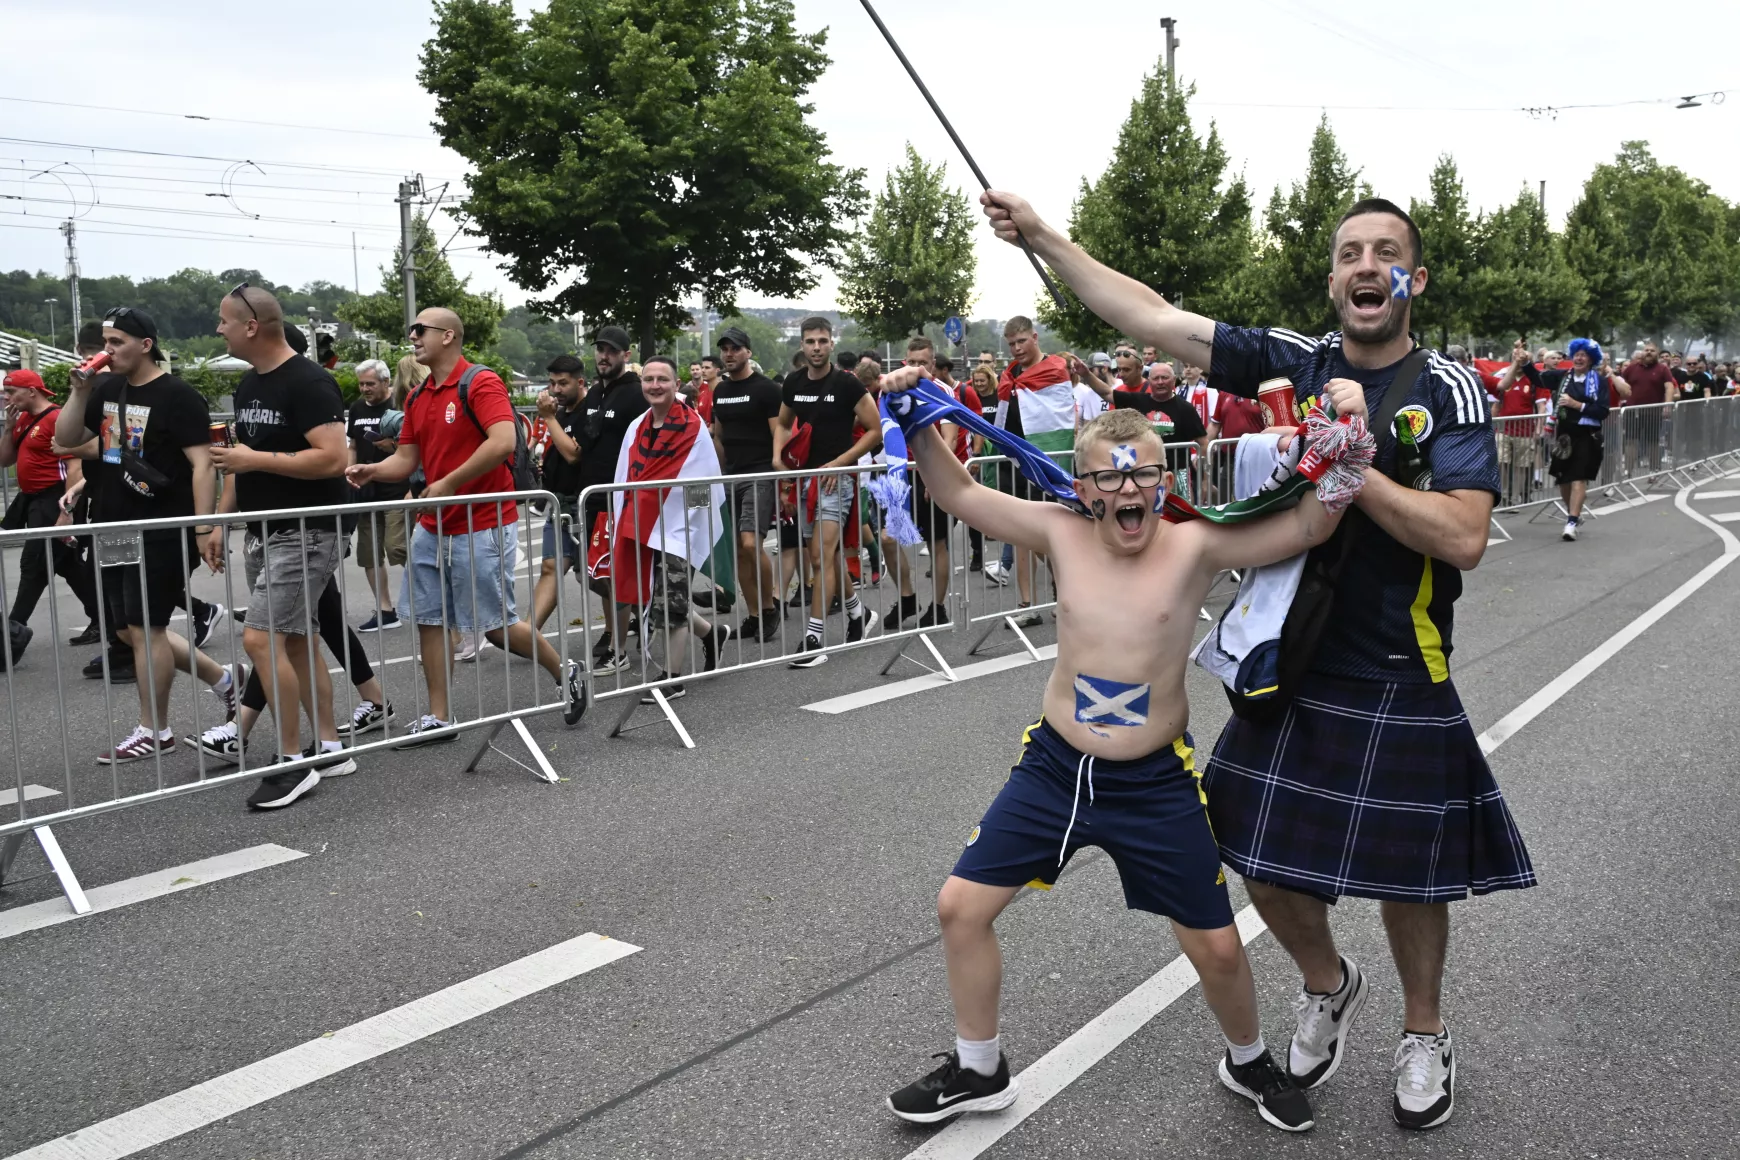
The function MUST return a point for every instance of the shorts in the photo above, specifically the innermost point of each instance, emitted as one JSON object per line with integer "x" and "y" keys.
{"x": 756, "y": 505}
{"x": 1148, "y": 814}
{"x": 1520, "y": 450}
{"x": 832, "y": 507}
{"x": 1373, "y": 789}
{"x": 287, "y": 572}
{"x": 380, "y": 538}
{"x": 1583, "y": 461}
{"x": 165, "y": 583}
{"x": 932, "y": 521}
{"x": 572, "y": 556}
{"x": 470, "y": 578}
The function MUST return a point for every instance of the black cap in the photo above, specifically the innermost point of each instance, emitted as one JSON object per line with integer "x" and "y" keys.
{"x": 735, "y": 336}
{"x": 612, "y": 336}
{"x": 297, "y": 340}
{"x": 134, "y": 321}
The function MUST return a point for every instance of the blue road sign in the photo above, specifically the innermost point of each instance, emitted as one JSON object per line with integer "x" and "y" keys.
{"x": 953, "y": 330}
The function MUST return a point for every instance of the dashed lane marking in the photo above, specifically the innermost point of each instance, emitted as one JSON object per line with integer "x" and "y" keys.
{"x": 9, "y": 797}
{"x": 224, "y": 1096}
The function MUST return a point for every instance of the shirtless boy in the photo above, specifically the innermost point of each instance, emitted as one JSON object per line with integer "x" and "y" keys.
{"x": 1109, "y": 762}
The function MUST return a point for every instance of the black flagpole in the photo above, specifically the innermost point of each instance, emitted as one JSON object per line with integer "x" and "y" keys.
{"x": 1056, "y": 295}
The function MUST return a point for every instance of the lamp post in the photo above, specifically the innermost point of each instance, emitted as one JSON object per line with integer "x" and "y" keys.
{"x": 51, "y": 302}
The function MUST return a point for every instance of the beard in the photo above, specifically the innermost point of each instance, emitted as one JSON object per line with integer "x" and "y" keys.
{"x": 1371, "y": 330}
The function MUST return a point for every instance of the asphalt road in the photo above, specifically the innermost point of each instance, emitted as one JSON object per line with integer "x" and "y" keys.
{"x": 780, "y": 881}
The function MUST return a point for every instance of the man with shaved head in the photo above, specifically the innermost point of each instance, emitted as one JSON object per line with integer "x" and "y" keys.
{"x": 289, "y": 453}
{"x": 460, "y": 427}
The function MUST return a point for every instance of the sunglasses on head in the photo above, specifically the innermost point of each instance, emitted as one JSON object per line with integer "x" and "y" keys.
{"x": 243, "y": 299}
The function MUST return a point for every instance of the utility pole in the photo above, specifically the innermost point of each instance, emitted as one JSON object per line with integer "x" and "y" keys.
{"x": 706, "y": 327}
{"x": 1167, "y": 24}
{"x": 1543, "y": 197}
{"x": 409, "y": 190}
{"x": 72, "y": 272}
{"x": 51, "y": 331}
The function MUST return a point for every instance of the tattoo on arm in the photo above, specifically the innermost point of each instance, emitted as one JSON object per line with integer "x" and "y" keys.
{"x": 1201, "y": 341}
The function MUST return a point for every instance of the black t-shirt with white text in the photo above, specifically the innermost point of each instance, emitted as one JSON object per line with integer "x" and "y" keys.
{"x": 164, "y": 416}
{"x": 362, "y": 428}
{"x": 741, "y": 409}
{"x": 829, "y": 406}
{"x": 274, "y": 412}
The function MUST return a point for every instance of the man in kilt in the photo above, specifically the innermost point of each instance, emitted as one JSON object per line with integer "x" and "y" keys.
{"x": 1370, "y": 782}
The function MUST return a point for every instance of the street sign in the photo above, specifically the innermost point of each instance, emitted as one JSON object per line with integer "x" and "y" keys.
{"x": 953, "y": 330}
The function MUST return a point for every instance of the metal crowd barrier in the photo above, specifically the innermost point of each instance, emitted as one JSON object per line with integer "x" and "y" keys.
{"x": 52, "y": 731}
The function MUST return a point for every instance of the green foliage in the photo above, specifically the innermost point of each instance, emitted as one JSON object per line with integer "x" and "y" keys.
{"x": 215, "y": 385}
{"x": 183, "y": 304}
{"x": 58, "y": 378}
{"x": 913, "y": 262}
{"x": 383, "y": 313}
{"x": 1519, "y": 283}
{"x": 1447, "y": 235}
{"x": 1159, "y": 213}
{"x": 1292, "y": 280}
{"x": 653, "y": 148}
{"x": 528, "y": 340}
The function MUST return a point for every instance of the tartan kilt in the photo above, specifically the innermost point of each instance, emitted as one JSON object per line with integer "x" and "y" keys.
{"x": 1365, "y": 788}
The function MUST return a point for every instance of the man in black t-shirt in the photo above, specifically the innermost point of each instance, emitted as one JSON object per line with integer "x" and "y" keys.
{"x": 831, "y": 404}
{"x": 745, "y": 415}
{"x": 559, "y": 408}
{"x": 290, "y": 453}
{"x": 380, "y": 536}
{"x": 153, "y": 462}
{"x": 613, "y": 402}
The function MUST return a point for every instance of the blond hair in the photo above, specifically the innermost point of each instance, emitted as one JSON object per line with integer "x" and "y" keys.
{"x": 1119, "y": 425}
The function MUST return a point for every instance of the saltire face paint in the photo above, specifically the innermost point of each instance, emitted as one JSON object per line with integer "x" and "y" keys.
{"x": 1124, "y": 457}
{"x": 1401, "y": 282}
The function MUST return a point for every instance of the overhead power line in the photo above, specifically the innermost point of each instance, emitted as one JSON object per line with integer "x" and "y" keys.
{"x": 307, "y": 165}
{"x": 224, "y": 120}
{"x": 1686, "y": 102}
{"x": 230, "y": 215}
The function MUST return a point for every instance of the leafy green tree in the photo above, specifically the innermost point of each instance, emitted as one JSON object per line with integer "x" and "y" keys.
{"x": 913, "y": 262}
{"x": 1160, "y": 213}
{"x": 643, "y": 150}
{"x": 383, "y": 313}
{"x": 545, "y": 338}
{"x": 1655, "y": 249}
{"x": 1520, "y": 283}
{"x": 1447, "y": 235}
{"x": 1291, "y": 283}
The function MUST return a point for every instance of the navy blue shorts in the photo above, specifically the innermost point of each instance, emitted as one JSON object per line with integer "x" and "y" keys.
{"x": 1148, "y": 814}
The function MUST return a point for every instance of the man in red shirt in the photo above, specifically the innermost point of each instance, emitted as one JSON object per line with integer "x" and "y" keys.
{"x": 1517, "y": 423}
{"x": 1651, "y": 384}
{"x": 464, "y": 449}
{"x": 43, "y": 478}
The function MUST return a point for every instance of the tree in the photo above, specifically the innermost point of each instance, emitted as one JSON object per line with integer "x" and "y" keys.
{"x": 913, "y": 262}
{"x": 1159, "y": 213}
{"x": 1655, "y": 250}
{"x": 1447, "y": 237}
{"x": 1520, "y": 283}
{"x": 644, "y": 150}
{"x": 383, "y": 313}
{"x": 1292, "y": 280}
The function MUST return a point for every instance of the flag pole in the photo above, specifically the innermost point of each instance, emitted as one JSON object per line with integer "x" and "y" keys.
{"x": 1056, "y": 294}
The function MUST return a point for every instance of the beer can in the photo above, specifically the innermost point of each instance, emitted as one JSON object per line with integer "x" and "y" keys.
{"x": 1275, "y": 400}
{"x": 94, "y": 364}
{"x": 220, "y": 435}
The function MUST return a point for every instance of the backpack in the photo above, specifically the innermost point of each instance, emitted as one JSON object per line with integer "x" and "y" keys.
{"x": 520, "y": 462}
{"x": 1308, "y": 615}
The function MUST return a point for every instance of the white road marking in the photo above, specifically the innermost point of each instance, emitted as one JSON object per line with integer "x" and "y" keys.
{"x": 1726, "y": 517}
{"x": 236, "y": 1091}
{"x": 37, "y": 915}
{"x": 1717, "y": 495}
{"x": 970, "y": 1135}
{"x": 1621, "y": 505}
{"x": 9, "y": 797}
{"x": 880, "y": 693}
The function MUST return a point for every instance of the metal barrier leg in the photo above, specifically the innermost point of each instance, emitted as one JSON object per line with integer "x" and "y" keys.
{"x": 899, "y": 655}
{"x": 544, "y": 771}
{"x": 1499, "y": 528}
{"x": 69, "y": 882}
{"x": 658, "y": 695}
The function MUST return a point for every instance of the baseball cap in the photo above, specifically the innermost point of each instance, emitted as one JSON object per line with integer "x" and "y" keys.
{"x": 735, "y": 336}
{"x": 612, "y": 336}
{"x": 26, "y": 378}
{"x": 1101, "y": 359}
{"x": 134, "y": 321}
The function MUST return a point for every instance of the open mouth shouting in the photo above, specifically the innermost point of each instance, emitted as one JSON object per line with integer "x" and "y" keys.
{"x": 1369, "y": 302}
{"x": 1130, "y": 516}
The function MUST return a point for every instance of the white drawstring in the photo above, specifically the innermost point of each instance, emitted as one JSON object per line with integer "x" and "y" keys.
{"x": 1088, "y": 762}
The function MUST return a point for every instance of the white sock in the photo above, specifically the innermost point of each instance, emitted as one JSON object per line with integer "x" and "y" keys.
{"x": 223, "y": 683}
{"x": 814, "y": 628}
{"x": 166, "y": 735}
{"x": 980, "y": 1055}
{"x": 854, "y": 607}
{"x": 1245, "y": 1054}
{"x": 331, "y": 746}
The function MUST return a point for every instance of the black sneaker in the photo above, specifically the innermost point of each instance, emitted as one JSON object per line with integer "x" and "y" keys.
{"x": 903, "y": 609}
{"x": 21, "y": 634}
{"x": 574, "y": 696}
{"x": 91, "y": 635}
{"x": 427, "y": 723}
{"x": 934, "y": 617}
{"x": 810, "y": 653}
{"x": 120, "y": 672}
{"x": 749, "y": 628}
{"x": 952, "y": 1089}
{"x": 1262, "y": 1081}
{"x": 366, "y": 718}
{"x": 855, "y": 626}
{"x": 977, "y": 563}
{"x": 281, "y": 789}
{"x": 712, "y": 643}
{"x": 602, "y": 646}
{"x": 204, "y": 626}
{"x": 336, "y": 765}
{"x": 800, "y": 599}
{"x": 672, "y": 692}
{"x": 770, "y": 619}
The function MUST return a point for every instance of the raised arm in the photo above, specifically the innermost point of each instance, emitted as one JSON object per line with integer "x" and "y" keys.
{"x": 1124, "y": 303}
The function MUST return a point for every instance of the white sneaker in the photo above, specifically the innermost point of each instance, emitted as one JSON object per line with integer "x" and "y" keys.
{"x": 996, "y": 574}
{"x": 1425, "y": 1074}
{"x": 1320, "y": 1041}
{"x": 470, "y": 644}
{"x": 1570, "y": 532}
{"x": 223, "y": 742}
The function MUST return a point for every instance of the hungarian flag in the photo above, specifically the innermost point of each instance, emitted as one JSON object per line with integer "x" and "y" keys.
{"x": 687, "y": 522}
{"x": 1045, "y": 401}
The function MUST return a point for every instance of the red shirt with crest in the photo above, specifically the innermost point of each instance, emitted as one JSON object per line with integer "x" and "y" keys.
{"x": 445, "y": 437}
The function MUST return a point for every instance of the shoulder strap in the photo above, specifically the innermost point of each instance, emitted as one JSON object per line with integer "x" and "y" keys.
{"x": 465, "y": 395}
{"x": 1383, "y": 429}
{"x": 31, "y": 426}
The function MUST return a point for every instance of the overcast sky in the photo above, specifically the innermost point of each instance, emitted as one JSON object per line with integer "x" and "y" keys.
{"x": 1037, "y": 90}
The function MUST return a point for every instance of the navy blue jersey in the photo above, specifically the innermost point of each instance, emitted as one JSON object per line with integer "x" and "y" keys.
{"x": 1393, "y": 606}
